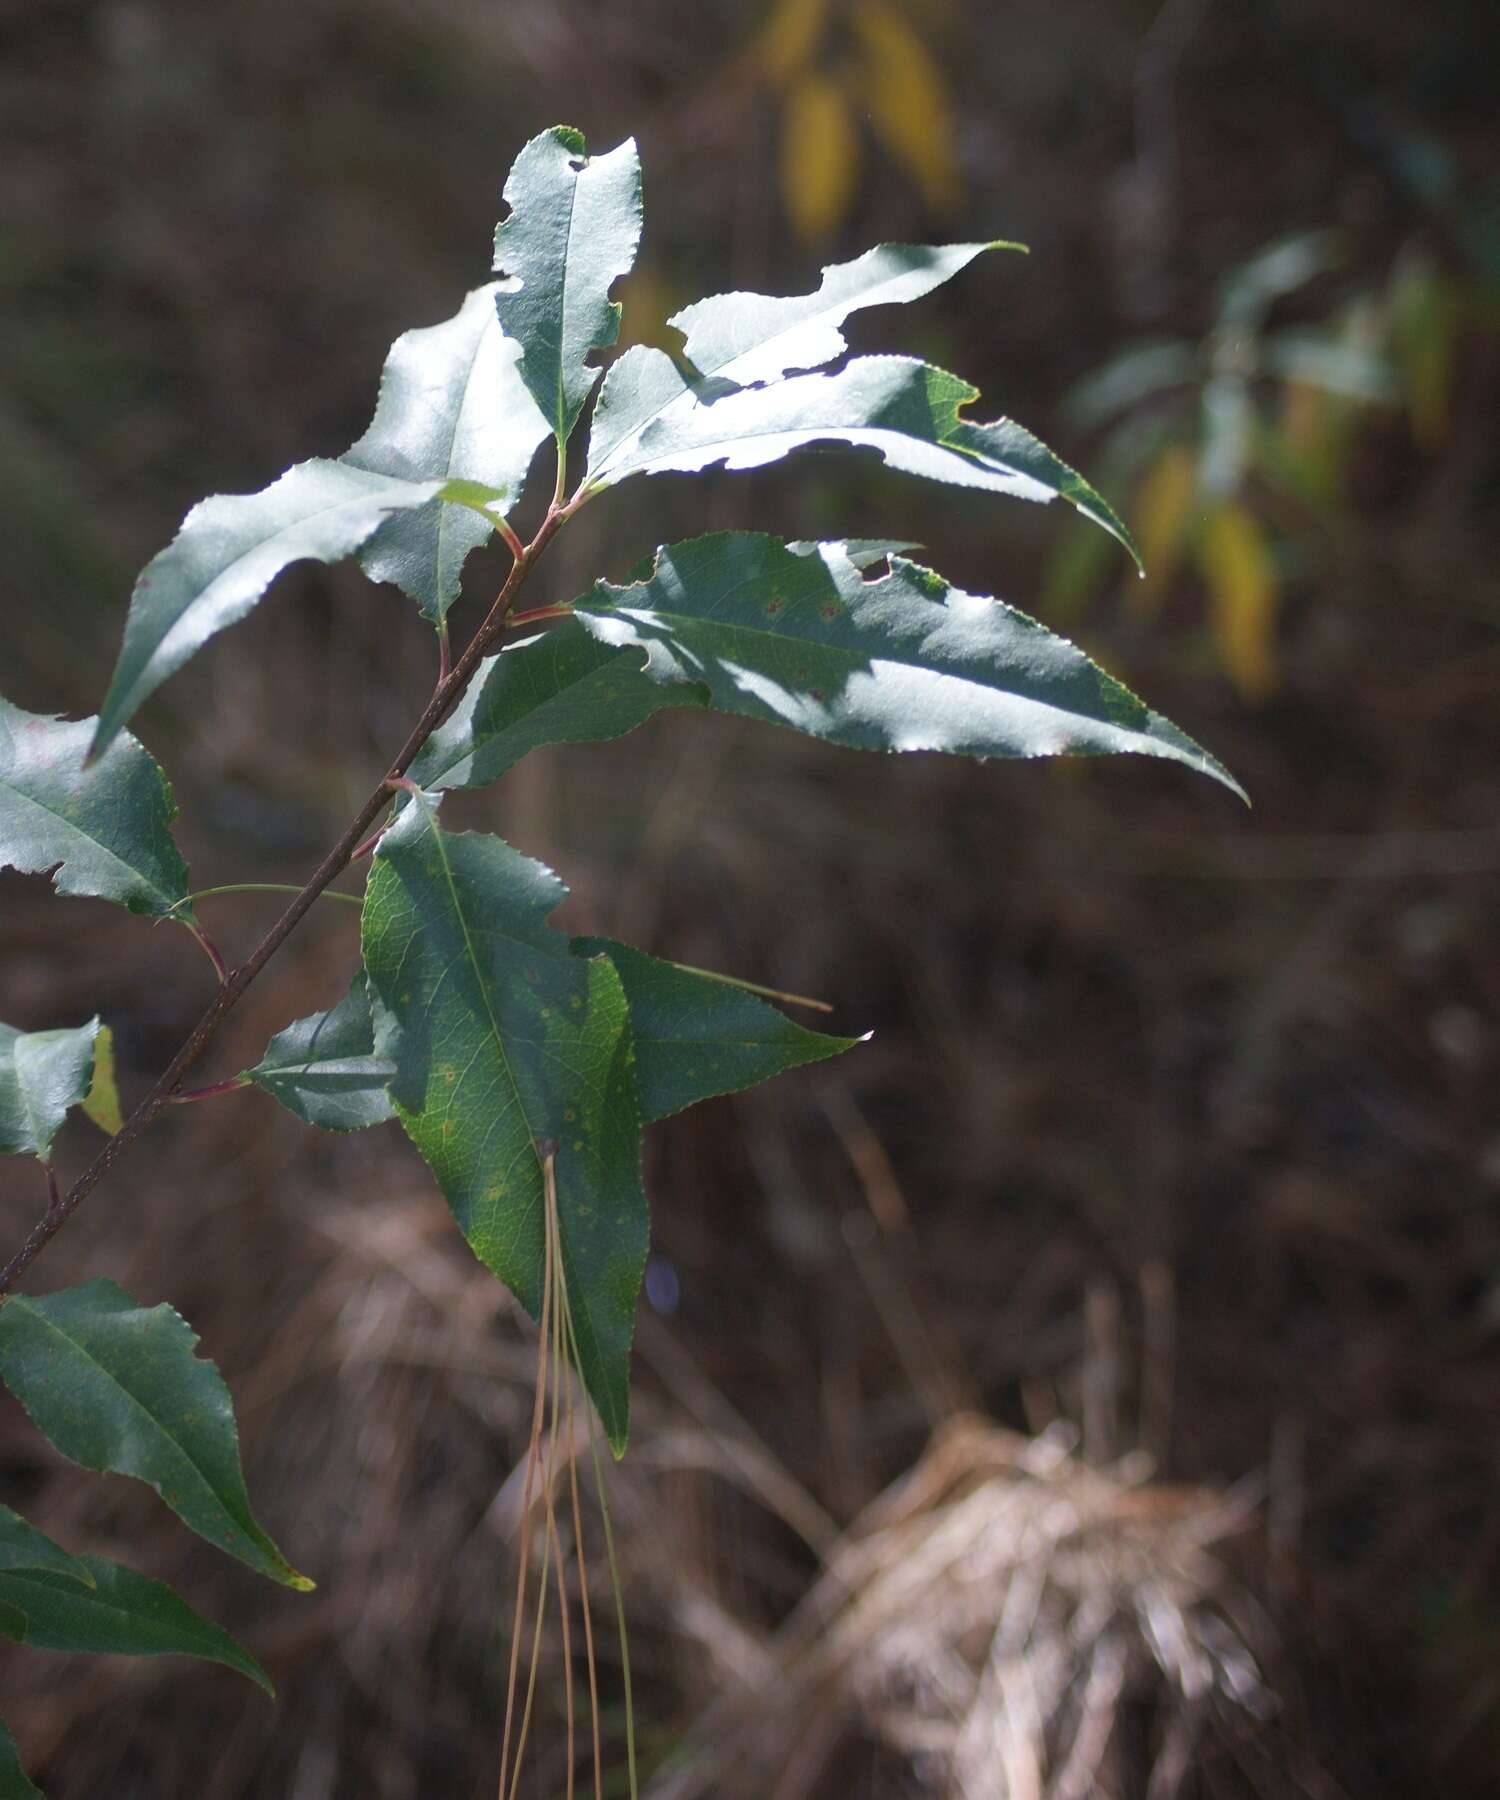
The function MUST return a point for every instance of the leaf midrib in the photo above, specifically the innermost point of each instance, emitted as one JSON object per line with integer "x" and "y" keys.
{"x": 33, "y": 1119}
{"x": 479, "y": 975}
{"x": 141, "y": 1407}
{"x": 854, "y": 659}
{"x": 491, "y": 318}
{"x": 282, "y": 531}
{"x": 846, "y": 433}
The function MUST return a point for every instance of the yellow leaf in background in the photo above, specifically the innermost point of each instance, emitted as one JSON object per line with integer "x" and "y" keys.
{"x": 910, "y": 107}
{"x": 1236, "y": 563}
{"x": 1316, "y": 431}
{"x": 103, "y": 1102}
{"x": 789, "y": 37}
{"x": 1303, "y": 410}
{"x": 819, "y": 156}
{"x": 1163, "y": 503}
{"x": 1426, "y": 340}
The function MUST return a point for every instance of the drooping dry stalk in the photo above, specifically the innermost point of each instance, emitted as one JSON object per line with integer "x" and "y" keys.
{"x": 533, "y": 1444}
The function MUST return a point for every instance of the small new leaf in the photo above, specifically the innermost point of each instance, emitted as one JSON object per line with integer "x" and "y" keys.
{"x": 104, "y": 827}
{"x": 116, "y": 1387}
{"x": 324, "y": 1067}
{"x": 573, "y": 229}
{"x": 119, "y": 1613}
{"x": 800, "y": 637}
{"x": 102, "y": 1102}
{"x": 697, "y": 1036}
{"x": 452, "y": 407}
{"x": 43, "y": 1076}
{"x": 503, "y": 1041}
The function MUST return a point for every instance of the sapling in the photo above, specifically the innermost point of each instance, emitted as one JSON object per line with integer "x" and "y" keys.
{"x": 522, "y": 1063}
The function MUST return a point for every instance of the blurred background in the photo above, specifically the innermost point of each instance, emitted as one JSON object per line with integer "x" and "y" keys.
{"x": 1087, "y": 1387}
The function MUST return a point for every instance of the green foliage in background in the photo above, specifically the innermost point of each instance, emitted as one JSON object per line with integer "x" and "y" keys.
{"x": 1236, "y": 448}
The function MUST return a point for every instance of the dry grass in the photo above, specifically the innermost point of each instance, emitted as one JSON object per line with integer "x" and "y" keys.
{"x": 1010, "y": 1623}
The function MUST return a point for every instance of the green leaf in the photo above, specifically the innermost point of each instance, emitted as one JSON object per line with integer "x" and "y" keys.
{"x": 752, "y": 338}
{"x": 22, "y": 1546}
{"x": 564, "y": 687}
{"x": 503, "y": 1041}
{"x": 697, "y": 1035}
{"x": 228, "y": 552}
{"x": 325, "y": 1070}
{"x": 116, "y": 1387}
{"x": 901, "y": 662}
{"x": 105, "y": 827}
{"x": 43, "y": 1075}
{"x": 908, "y": 411}
{"x": 452, "y": 406}
{"x": 122, "y": 1613}
{"x": 14, "y": 1784}
{"x": 1135, "y": 375}
{"x": 574, "y": 225}
{"x": 1343, "y": 369}
{"x": 1249, "y": 291}
{"x": 102, "y": 1102}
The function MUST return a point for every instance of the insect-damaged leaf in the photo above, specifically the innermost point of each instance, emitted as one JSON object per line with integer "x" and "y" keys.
{"x": 746, "y": 339}
{"x": 452, "y": 407}
{"x": 574, "y": 225}
{"x": 119, "y": 1613}
{"x": 105, "y": 827}
{"x": 799, "y": 637}
{"x": 503, "y": 1041}
{"x": 908, "y": 411}
{"x": 116, "y": 1387}
{"x": 324, "y": 1068}
{"x": 43, "y": 1076}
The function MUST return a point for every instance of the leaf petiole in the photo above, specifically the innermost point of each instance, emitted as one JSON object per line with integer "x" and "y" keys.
{"x": 205, "y": 943}
{"x": 212, "y": 1091}
{"x": 258, "y": 887}
{"x": 538, "y": 614}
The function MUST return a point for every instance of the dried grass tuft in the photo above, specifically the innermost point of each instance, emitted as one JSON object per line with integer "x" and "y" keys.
{"x": 1013, "y": 1623}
